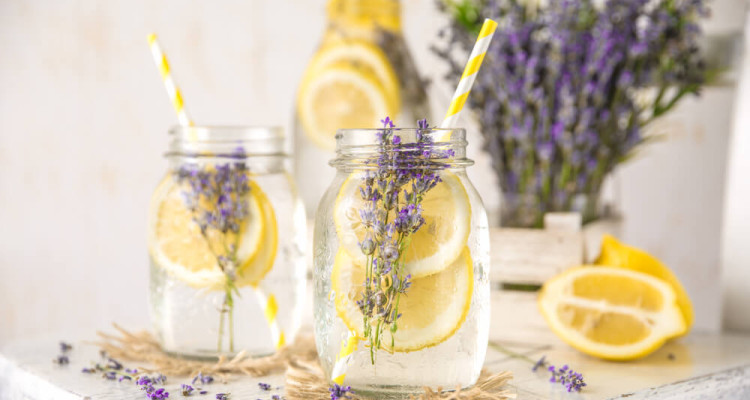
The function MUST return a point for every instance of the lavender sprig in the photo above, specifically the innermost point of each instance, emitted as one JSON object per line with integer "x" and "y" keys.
{"x": 559, "y": 98}
{"x": 392, "y": 213}
{"x": 339, "y": 392}
{"x": 217, "y": 199}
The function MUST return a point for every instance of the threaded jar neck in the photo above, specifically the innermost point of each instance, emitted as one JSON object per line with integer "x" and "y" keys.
{"x": 400, "y": 148}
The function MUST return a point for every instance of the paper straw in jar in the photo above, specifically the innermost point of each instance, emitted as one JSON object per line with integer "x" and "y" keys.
{"x": 267, "y": 303}
{"x": 270, "y": 310}
{"x": 175, "y": 96}
{"x": 470, "y": 73}
{"x": 348, "y": 347}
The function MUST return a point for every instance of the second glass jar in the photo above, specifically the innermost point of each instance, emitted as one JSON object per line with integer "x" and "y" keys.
{"x": 226, "y": 243}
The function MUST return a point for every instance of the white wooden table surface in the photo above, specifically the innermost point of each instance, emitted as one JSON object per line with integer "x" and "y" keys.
{"x": 695, "y": 367}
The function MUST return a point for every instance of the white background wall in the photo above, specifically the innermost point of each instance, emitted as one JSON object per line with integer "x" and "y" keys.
{"x": 83, "y": 120}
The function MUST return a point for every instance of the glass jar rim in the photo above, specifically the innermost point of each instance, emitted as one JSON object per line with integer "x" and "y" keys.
{"x": 226, "y": 141}
{"x": 360, "y": 148}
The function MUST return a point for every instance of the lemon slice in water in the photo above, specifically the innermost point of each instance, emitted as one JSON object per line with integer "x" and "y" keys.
{"x": 177, "y": 245}
{"x": 432, "y": 309}
{"x": 436, "y": 245}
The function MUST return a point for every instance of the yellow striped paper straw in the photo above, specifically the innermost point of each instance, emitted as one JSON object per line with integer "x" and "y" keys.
{"x": 166, "y": 76}
{"x": 270, "y": 310}
{"x": 470, "y": 73}
{"x": 348, "y": 347}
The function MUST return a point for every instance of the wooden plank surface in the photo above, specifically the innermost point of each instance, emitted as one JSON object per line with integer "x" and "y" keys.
{"x": 691, "y": 366}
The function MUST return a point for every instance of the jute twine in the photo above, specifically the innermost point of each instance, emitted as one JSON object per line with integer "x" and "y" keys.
{"x": 305, "y": 379}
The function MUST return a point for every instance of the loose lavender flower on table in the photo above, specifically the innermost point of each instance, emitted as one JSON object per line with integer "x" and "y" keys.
{"x": 204, "y": 379}
{"x": 223, "y": 396}
{"x": 559, "y": 98}
{"x": 264, "y": 386}
{"x": 339, "y": 392}
{"x": 572, "y": 380}
{"x": 187, "y": 390}
{"x": 216, "y": 197}
{"x": 393, "y": 191}
{"x": 65, "y": 347}
{"x": 61, "y": 360}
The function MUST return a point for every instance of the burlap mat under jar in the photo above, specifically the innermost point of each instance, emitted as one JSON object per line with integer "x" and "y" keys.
{"x": 299, "y": 361}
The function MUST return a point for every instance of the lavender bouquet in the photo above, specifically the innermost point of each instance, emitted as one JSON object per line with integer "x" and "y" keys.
{"x": 560, "y": 98}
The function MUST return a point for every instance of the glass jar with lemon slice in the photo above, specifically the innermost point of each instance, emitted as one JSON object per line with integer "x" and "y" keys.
{"x": 226, "y": 234}
{"x": 401, "y": 263}
{"x": 362, "y": 71}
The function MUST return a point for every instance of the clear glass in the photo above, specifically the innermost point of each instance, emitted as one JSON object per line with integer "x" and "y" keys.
{"x": 449, "y": 356}
{"x": 362, "y": 47}
{"x": 188, "y": 291}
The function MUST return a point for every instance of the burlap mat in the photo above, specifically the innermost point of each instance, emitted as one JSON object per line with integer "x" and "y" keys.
{"x": 304, "y": 376}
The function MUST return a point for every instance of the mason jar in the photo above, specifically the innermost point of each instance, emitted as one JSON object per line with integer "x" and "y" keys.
{"x": 401, "y": 264}
{"x": 226, "y": 235}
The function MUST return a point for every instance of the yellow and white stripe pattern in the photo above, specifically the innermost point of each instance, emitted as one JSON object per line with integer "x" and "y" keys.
{"x": 470, "y": 73}
{"x": 270, "y": 310}
{"x": 348, "y": 347}
{"x": 172, "y": 90}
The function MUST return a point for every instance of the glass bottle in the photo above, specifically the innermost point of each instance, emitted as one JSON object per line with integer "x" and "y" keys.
{"x": 408, "y": 285}
{"x": 361, "y": 73}
{"x": 226, "y": 239}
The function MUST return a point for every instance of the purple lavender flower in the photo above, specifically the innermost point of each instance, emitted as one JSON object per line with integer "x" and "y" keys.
{"x": 222, "y": 396}
{"x": 125, "y": 377}
{"x": 158, "y": 394}
{"x": 62, "y": 359}
{"x": 204, "y": 379}
{"x": 339, "y": 392}
{"x": 114, "y": 364}
{"x": 187, "y": 390}
{"x": 88, "y": 370}
{"x": 276, "y": 397}
{"x": 217, "y": 199}
{"x": 65, "y": 347}
{"x": 264, "y": 386}
{"x": 558, "y": 90}
{"x": 393, "y": 192}
{"x": 567, "y": 377}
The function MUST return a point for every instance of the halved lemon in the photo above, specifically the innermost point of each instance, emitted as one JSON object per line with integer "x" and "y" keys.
{"x": 617, "y": 254}
{"x": 611, "y": 313}
{"x": 432, "y": 309}
{"x": 176, "y": 243}
{"x": 340, "y": 96}
{"x": 437, "y": 244}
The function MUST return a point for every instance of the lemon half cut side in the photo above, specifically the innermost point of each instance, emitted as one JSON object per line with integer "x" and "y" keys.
{"x": 611, "y": 313}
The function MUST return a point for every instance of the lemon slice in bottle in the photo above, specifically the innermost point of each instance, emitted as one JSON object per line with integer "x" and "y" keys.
{"x": 177, "y": 245}
{"x": 360, "y": 55}
{"x": 611, "y": 313}
{"x": 340, "y": 96}
{"x": 432, "y": 310}
{"x": 435, "y": 246}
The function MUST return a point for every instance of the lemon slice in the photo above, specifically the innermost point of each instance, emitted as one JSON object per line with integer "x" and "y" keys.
{"x": 340, "y": 97}
{"x": 432, "y": 310}
{"x": 360, "y": 55}
{"x": 617, "y": 254}
{"x": 611, "y": 313}
{"x": 177, "y": 245}
{"x": 434, "y": 246}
